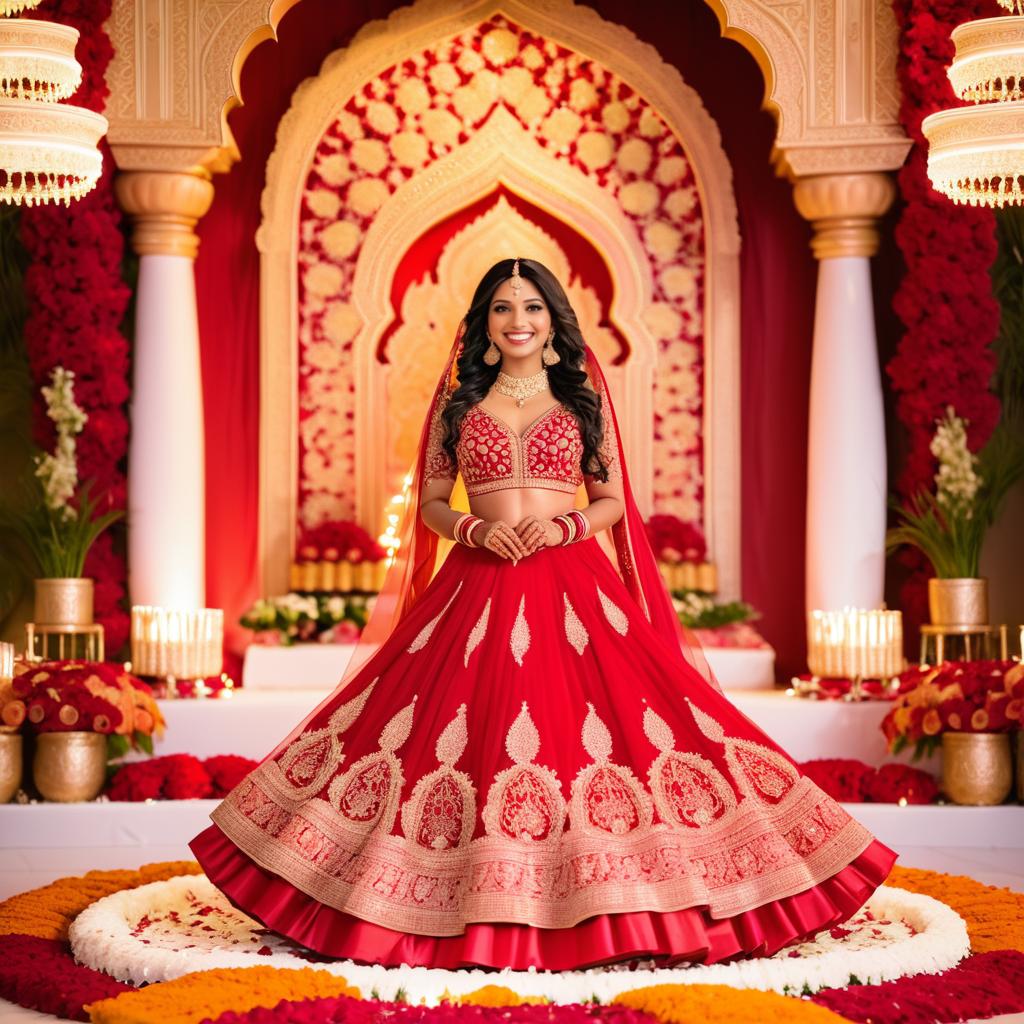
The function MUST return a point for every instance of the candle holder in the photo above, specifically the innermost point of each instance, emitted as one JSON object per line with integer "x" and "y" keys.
{"x": 855, "y": 644}
{"x": 6, "y": 662}
{"x": 175, "y": 646}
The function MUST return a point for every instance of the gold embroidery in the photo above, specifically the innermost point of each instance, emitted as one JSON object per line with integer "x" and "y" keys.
{"x": 441, "y": 812}
{"x": 759, "y": 771}
{"x": 314, "y": 757}
{"x": 707, "y": 725}
{"x": 575, "y": 632}
{"x": 476, "y": 634}
{"x": 607, "y": 446}
{"x": 525, "y": 801}
{"x": 437, "y": 463}
{"x": 420, "y": 641}
{"x": 367, "y": 794}
{"x": 519, "y": 639}
{"x": 607, "y": 799}
{"x": 613, "y": 613}
{"x": 687, "y": 788}
{"x": 493, "y": 457}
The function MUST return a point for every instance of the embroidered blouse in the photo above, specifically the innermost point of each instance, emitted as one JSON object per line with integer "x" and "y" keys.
{"x": 492, "y": 456}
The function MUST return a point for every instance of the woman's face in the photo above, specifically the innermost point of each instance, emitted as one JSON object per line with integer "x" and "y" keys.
{"x": 518, "y": 324}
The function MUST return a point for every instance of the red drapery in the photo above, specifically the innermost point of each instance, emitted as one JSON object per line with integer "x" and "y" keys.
{"x": 778, "y": 277}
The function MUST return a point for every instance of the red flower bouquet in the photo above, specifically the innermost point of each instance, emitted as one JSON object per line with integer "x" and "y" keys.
{"x": 339, "y": 541}
{"x": 179, "y": 777}
{"x": 89, "y": 696}
{"x": 674, "y": 540}
{"x": 967, "y": 696}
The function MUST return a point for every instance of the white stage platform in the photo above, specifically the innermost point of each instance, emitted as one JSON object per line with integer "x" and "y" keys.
{"x": 252, "y": 722}
{"x": 321, "y": 666}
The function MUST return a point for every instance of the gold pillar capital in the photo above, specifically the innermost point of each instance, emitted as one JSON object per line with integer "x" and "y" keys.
{"x": 844, "y": 211}
{"x": 165, "y": 207}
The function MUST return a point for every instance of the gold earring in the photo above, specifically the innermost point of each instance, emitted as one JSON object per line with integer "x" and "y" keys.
{"x": 549, "y": 356}
{"x": 493, "y": 354}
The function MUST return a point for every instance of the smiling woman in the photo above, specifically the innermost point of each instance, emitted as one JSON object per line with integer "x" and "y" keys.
{"x": 535, "y": 768}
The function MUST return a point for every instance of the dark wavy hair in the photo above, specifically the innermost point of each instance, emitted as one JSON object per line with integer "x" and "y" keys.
{"x": 567, "y": 378}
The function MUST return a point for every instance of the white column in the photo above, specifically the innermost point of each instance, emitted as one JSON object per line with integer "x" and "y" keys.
{"x": 846, "y": 465}
{"x": 166, "y": 465}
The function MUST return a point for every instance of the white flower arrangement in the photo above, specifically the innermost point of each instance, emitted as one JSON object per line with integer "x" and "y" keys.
{"x": 322, "y": 279}
{"x": 634, "y": 156}
{"x": 441, "y": 127}
{"x": 341, "y": 322}
{"x": 370, "y": 155}
{"x": 334, "y": 168}
{"x": 412, "y": 96}
{"x": 615, "y": 117}
{"x": 670, "y": 170}
{"x": 410, "y": 149}
{"x": 663, "y": 239}
{"x": 595, "y": 150}
{"x": 582, "y": 95}
{"x": 444, "y": 77}
{"x": 340, "y": 239}
{"x": 59, "y": 472}
{"x": 663, "y": 321}
{"x": 956, "y": 481}
{"x": 897, "y": 934}
{"x": 382, "y": 118}
{"x": 533, "y": 105}
{"x": 323, "y": 203}
{"x": 639, "y": 198}
{"x": 562, "y": 126}
{"x": 500, "y": 45}
{"x": 367, "y": 195}
{"x": 680, "y": 202}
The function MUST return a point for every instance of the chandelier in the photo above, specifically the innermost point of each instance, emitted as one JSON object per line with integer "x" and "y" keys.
{"x": 976, "y": 154}
{"x": 47, "y": 148}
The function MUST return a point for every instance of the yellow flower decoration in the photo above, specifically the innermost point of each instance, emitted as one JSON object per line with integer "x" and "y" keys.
{"x": 719, "y": 1004}
{"x": 207, "y": 994}
{"x": 47, "y": 912}
{"x": 498, "y": 995}
{"x": 500, "y": 46}
{"x": 340, "y": 239}
{"x": 413, "y": 96}
{"x": 367, "y": 195}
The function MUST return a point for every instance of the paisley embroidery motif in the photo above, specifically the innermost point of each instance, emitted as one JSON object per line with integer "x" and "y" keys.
{"x": 525, "y": 801}
{"x": 312, "y": 759}
{"x": 441, "y": 812}
{"x": 519, "y": 639}
{"x": 687, "y": 788}
{"x": 477, "y": 633}
{"x": 607, "y": 799}
{"x": 421, "y": 638}
{"x": 613, "y": 613}
{"x": 575, "y": 632}
{"x": 367, "y": 794}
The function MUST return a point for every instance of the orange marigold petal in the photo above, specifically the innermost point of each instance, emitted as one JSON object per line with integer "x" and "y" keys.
{"x": 720, "y": 1004}
{"x": 994, "y": 916}
{"x": 207, "y": 994}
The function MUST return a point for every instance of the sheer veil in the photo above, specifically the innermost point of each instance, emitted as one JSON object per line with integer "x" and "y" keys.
{"x": 416, "y": 558}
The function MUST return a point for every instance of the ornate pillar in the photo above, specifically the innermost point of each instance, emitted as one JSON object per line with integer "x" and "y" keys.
{"x": 166, "y": 490}
{"x": 846, "y": 466}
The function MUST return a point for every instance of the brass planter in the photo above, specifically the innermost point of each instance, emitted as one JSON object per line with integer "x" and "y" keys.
{"x": 11, "y": 752}
{"x": 1019, "y": 744}
{"x": 70, "y": 766}
{"x": 976, "y": 767}
{"x": 958, "y": 602}
{"x": 64, "y": 602}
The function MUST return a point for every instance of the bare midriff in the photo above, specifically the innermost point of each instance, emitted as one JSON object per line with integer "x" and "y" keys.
{"x": 513, "y": 504}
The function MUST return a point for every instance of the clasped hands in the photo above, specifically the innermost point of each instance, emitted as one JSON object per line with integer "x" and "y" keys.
{"x": 515, "y": 542}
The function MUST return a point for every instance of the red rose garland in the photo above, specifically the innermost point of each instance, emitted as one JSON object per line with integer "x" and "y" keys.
{"x": 945, "y": 300}
{"x": 77, "y": 300}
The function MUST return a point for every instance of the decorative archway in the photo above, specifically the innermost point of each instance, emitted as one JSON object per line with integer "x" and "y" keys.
{"x": 672, "y": 116}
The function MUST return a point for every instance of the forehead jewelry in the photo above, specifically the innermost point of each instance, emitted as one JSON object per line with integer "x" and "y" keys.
{"x": 517, "y": 281}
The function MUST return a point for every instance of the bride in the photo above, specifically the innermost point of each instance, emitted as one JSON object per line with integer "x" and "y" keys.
{"x": 529, "y": 762}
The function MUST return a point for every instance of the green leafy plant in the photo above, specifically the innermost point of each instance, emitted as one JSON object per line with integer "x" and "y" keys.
{"x": 949, "y": 525}
{"x": 699, "y": 610}
{"x": 55, "y": 518}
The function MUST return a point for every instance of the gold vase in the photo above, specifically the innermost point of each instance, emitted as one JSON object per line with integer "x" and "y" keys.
{"x": 976, "y": 767}
{"x": 958, "y": 602}
{"x": 11, "y": 749}
{"x": 70, "y": 766}
{"x": 1019, "y": 744}
{"x": 64, "y": 602}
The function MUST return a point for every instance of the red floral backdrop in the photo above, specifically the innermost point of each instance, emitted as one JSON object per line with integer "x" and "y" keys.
{"x": 777, "y": 272}
{"x": 76, "y": 303}
{"x": 944, "y": 299}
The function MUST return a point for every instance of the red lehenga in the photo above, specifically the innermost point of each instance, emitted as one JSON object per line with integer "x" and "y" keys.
{"x": 535, "y": 768}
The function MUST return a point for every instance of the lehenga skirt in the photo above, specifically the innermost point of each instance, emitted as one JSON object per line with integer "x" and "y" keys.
{"x": 526, "y": 774}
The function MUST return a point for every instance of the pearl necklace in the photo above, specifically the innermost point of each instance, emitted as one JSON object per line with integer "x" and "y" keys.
{"x": 520, "y": 388}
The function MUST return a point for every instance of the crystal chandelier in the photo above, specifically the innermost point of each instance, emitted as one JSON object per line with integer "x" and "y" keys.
{"x": 976, "y": 154}
{"x": 47, "y": 148}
